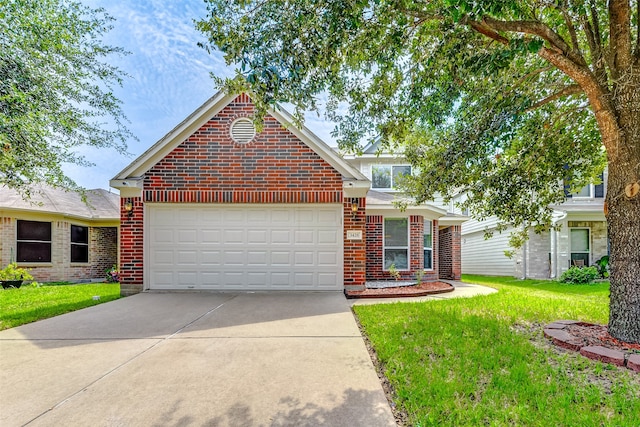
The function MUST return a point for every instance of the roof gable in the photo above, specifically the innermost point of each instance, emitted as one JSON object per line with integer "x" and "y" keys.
{"x": 200, "y": 117}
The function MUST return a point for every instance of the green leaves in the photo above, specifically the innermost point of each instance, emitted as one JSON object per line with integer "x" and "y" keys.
{"x": 420, "y": 77}
{"x": 55, "y": 90}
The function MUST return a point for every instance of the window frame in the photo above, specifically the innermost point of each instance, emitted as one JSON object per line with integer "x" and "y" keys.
{"x": 424, "y": 248}
{"x": 572, "y": 251}
{"x": 591, "y": 195}
{"x": 78, "y": 244}
{"x": 395, "y": 247}
{"x": 391, "y": 175}
{"x": 21, "y": 240}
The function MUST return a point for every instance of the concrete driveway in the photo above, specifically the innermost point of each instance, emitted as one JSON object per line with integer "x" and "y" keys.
{"x": 193, "y": 359}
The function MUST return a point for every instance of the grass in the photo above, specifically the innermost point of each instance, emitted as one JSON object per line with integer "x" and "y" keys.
{"x": 484, "y": 361}
{"x": 29, "y": 303}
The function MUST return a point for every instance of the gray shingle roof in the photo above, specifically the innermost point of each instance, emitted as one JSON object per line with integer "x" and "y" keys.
{"x": 101, "y": 204}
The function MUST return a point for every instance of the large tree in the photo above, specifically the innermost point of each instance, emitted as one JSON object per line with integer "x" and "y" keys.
{"x": 55, "y": 90}
{"x": 499, "y": 99}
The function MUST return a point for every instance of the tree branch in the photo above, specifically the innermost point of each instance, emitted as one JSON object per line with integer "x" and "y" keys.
{"x": 537, "y": 29}
{"x": 566, "y": 91}
{"x": 620, "y": 36}
{"x": 595, "y": 49}
{"x": 572, "y": 31}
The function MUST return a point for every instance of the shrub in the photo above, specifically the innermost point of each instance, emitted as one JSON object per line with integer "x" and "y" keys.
{"x": 603, "y": 266}
{"x": 577, "y": 275}
{"x": 113, "y": 275}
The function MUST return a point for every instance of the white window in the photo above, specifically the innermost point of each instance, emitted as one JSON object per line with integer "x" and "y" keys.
{"x": 580, "y": 246}
{"x": 585, "y": 192}
{"x": 386, "y": 177}
{"x": 428, "y": 245}
{"x": 396, "y": 243}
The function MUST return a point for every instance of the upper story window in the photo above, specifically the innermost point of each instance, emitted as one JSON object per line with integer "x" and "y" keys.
{"x": 589, "y": 191}
{"x": 385, "y": 177}
{"x": 33, "y": 241}
{"x": 79, "y": 243}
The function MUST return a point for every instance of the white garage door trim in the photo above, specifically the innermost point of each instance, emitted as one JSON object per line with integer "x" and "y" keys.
{"x": 243, "y": 247}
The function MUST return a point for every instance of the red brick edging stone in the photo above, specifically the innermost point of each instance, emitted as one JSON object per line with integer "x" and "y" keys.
{"x": 558, "y": 333}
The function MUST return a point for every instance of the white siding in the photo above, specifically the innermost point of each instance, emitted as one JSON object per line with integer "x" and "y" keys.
{"x": 480, "y": 256}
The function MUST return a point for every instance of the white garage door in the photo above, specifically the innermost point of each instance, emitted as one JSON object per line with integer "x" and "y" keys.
{"x": 244, "y": 247}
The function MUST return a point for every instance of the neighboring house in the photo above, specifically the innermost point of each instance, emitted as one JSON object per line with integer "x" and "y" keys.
{"x": 581, "y": 240}
{"x": 216, "y": 205}
{"x": 58, "y": 236}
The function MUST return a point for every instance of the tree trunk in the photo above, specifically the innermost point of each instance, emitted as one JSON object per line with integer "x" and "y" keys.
{"x": 623, "y": 221}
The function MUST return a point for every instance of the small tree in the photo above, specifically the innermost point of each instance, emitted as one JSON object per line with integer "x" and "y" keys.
{"x": 56, "y": 91}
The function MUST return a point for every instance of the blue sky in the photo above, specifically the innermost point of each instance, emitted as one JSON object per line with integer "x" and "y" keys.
{"x": 169, "y": 78}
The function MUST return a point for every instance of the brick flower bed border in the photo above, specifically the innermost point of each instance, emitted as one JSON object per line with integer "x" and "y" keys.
{"x": 558, "y": 333}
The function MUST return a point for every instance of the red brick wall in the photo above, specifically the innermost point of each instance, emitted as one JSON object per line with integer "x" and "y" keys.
{"x": 209, "y": 167}
{"x": 375, "y": 251}
{"x": 450, "y": 254}
{"x": 355, "y": 251}
{"x": 131, "y": 244}
{"x": 275, "y": 167}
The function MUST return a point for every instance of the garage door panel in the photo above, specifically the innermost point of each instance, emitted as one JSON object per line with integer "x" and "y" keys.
{"x": 281, "y": 237}
{"x": 211, "y": 258}
{"x": 328, "y": 237}
{"x": 281, "y": 258}
{"x": 304, "y": 258}
{"x": 213, "y": 236}
{"x": 187, "y": 258}
{"x": 257, "y": 258}
{"x": 234, "y": 236}
{"x": 253, "y": 247}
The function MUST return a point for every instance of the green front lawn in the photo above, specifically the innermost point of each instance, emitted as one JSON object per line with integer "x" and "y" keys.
{"x": 484, "y": 361}
{"x": 28, "y": 304}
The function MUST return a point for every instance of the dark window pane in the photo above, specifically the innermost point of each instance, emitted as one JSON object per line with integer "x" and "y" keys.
{"x": 381, "y": 177}
{"x": 578, "y": 257}
{"x": 79, "y": 234}
{"x": 396, "y": 232}
{"x": 34, "y": 230}
{"x": 396, "y": 257}
{"x": 398, "y": 173}
{"x": 428, "y": 262}
{"x": 79, "y": 253}
{"x": 34, "y": 252}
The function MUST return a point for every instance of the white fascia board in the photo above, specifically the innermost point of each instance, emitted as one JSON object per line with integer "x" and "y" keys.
{"x": 175, "y": 137}
{"x": 448, "y": 221}
{"x": 429, "y": 212}
{"x": 355, "y": 188}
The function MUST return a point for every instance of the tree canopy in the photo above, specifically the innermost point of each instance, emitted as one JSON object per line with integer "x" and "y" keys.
{"x": 55, "y": 90}
{"x": 501, "y": 100}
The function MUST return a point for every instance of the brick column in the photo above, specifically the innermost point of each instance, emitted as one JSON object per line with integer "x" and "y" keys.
{"x": 355, "y": 256}
{"x": 131, "y": 247}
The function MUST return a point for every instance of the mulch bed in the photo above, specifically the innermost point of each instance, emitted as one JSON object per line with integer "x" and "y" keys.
{"x": 422, "y": 289}
{"x": 599, "y": 335}
{"x": 595, "y": 342}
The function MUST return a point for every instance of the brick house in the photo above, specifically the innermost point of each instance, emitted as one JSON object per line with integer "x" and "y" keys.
{"x": 217, "y": 205}
{"x": 57, "y": 236}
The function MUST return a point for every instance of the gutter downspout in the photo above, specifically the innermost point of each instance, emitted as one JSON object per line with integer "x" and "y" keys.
{"x": 555, "y": 219}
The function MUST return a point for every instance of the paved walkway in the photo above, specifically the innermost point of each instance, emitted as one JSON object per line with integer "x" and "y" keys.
{"x": 193, "y": 359}
{"x": 462, "y": 290}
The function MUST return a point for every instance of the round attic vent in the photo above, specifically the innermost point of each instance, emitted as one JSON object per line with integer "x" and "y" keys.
{"x": 242, "y": 130}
